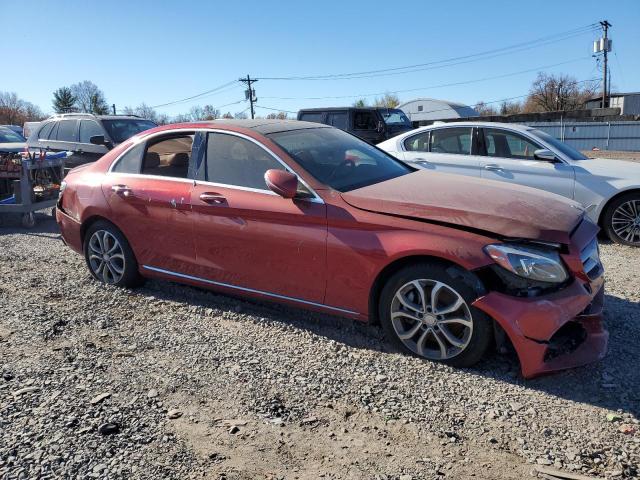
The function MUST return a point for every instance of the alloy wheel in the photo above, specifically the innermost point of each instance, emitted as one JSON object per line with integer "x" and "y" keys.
{"x": 625, "y": 221}
{"x": 431, "y": 319}
{"x": 106, "y": 257}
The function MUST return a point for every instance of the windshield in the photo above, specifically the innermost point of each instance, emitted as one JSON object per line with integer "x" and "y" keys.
{"x": 121, "y": 129}
{"x": 338, "y": 159}
{"x": 570, "y": 152}
{"x": 9, "y": 136}
{"x": 394, "y": 117}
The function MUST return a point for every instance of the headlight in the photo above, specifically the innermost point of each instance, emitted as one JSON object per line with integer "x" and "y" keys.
{"x": 529, "y": 262}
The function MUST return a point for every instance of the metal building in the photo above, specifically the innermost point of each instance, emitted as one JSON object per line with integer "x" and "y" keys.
{"x": 429, "y": 109}
{"x": 628, "y": 103}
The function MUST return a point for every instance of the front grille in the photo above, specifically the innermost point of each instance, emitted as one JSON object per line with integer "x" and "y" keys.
{"x": 590, "y": 256}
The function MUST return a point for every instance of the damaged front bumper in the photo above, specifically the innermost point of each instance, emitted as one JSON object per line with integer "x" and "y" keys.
{"x": 554, "y": 332}
{"x": 559, "y": 330}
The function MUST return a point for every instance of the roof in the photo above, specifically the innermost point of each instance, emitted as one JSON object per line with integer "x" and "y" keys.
{"x": 265, "y": 126}
{"x": 510, "y": 126}
{"x": 618, "y": 94}
{"x": 341, "y": 109}
{"x": 434, "y": 109}
{"x": 426, "y": 99}
{"x": 91, "y": 115}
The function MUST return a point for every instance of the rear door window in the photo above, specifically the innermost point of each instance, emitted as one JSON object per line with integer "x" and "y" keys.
{"x": 168, "y": 157}
{"x": 67, "y": 131}
{"x": 505, "y": 144}
{"x": 339, "y": 120}
{"x": 451, "y": 140}
{"x": 88, "y": 129}
{"x": 417, "y": 143}
{"x": 131, "y": 161}
{"x": 364, "y": 121}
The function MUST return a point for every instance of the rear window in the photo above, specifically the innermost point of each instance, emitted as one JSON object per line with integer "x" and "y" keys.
{"x": 45, "y": 131}
{"x": 312, "y": 117}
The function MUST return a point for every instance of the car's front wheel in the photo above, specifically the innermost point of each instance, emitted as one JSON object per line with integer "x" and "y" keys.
{"x": 109, "y": 256}
{"x": 426, "y": 310}
{"x": 622, "y": 219}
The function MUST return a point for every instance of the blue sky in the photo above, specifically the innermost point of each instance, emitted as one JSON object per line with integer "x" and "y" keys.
{"x": 159, "y": 51}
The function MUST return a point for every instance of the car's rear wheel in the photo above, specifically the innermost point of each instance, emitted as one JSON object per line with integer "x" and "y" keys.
{"x": 426, "y": 310}
{"x": 622, "y": 219}
{"x": 109, "y": 256}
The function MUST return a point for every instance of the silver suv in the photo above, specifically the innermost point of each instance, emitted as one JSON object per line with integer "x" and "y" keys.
{"x": 87, "y": 136}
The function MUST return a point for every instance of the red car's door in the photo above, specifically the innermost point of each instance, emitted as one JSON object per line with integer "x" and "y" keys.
{"x": 249, "y": 238}
{"x": 149, "y": 192}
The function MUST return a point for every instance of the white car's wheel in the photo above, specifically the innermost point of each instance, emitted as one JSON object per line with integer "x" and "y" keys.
{"x": 622, "y": 219}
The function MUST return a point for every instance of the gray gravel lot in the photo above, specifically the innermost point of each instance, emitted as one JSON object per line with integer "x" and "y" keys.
{"x": 169, "y": 381}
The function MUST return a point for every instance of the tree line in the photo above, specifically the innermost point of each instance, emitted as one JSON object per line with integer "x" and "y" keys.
{"x": 548, "y": 92}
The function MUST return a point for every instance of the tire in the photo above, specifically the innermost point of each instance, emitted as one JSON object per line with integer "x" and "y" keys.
{"x": 460, "y": 343}
{"x": 119, "y": 267}
{"x": 621, "y": 221}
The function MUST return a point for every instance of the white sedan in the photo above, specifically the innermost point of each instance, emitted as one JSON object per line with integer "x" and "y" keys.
{"x": 609, "y": 190}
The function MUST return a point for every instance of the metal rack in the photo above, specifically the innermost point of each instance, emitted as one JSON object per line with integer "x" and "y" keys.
{"x": 34, "y": 180}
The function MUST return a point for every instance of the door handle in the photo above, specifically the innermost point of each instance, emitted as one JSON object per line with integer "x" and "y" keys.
{"x": 122, "y": 190}
{"x": 212, "y": 198}
{"x": 493, "y": 167}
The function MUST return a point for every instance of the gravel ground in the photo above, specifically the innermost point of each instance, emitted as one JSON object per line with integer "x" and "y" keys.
{"x": 170, "y": 381}
{"x": 614, "y": 154}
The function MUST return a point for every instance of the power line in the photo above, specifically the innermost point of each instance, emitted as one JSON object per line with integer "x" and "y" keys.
{"x": 439, "y": 63}
{"x": 448, "y": 108}
{"x": 216, "y": 90}
{"x": 465, "y": 82}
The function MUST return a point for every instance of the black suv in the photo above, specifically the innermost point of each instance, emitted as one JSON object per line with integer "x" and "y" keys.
{"x": 87, "y": 136}
{"x": 372, "y": 125}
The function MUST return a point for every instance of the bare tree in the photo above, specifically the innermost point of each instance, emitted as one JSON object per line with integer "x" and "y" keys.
{"x": 389, "y": 100}
{"x": 558, "y": 92}
{"x": 207, "y": 112}
{"x": 278, "y": 116}
{"x": 227, "y": 115}
{"x": 484, "y": 109}
{"x": 240, "y": 115}
{"x": 15, "y": 111}
{"x": 510, "y": 108}
{"x": 89, "y": 98}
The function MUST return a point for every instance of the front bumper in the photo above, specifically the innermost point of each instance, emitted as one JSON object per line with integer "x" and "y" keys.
{"x": 535, "y": 326}
{"x": 560, "y": 330}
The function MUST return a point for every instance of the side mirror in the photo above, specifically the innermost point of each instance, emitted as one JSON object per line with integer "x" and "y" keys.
{"x": 545, "y": 155}
{"x": 100, "y": 140}
{"x": 281, "y": 182}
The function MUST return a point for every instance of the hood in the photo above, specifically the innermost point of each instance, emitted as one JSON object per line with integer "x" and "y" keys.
{"x": 487, "y": 206}
{"x": 610, "y": 168}
{"x": 13, "y": 147}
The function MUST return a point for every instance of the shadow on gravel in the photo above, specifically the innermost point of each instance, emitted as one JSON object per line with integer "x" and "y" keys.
{"x": 613, "y": 383}
{"x": 45, "y": 224}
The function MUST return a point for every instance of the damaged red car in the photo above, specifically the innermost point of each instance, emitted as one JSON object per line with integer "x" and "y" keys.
{"x": 309, "y": 215}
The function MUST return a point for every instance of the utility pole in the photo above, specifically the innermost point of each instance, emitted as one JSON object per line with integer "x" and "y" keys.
{"x": 250, "y": 93}
{"x": 605, "y": 49}
{"x": 114, "y": 108}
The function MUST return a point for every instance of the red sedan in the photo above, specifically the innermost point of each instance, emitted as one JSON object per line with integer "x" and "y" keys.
{"x": 309, "y": 215}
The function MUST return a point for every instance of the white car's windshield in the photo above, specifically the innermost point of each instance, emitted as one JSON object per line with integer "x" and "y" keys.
{"x": 570, "y": 152}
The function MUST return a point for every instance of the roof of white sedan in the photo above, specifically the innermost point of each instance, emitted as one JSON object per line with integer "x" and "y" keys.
{"x": 511, "y": 126}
